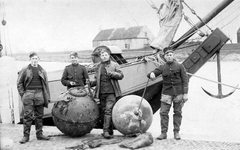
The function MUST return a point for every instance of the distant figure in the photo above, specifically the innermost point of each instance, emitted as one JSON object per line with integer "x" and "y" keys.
{"x": 107, "y": 89}
{"x": 74, "y": 75}
{"x": 32, "y": 85}
{"x": 174, "y": 91}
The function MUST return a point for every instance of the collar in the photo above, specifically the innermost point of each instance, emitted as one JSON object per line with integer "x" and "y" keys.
{"x": 75, "y": 65}
{"x": 106, "y": 62}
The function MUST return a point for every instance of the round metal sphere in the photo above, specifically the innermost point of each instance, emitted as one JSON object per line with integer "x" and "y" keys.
{"x": 75, "y": 116}
{"x": 126, "y": 117}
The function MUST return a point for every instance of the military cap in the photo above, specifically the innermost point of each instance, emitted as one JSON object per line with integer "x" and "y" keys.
{"x": 31, "y": 54}
{"x": 167, "y": 50}
{"x": 75, "y": 54}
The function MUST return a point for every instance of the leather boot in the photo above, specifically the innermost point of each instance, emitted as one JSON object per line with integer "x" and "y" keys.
{"x": 106, "y": 135}
{"x": 106, "y": 126}
{"x": 111, "y": 128}
{"x": 38, "y": 126}
{"x": 162, "y": 136}
{"x": 111, "y": 132}
{"x": 26, "y": 131}
{"x": 177, "y": 136}
{"x": 42, "y": 137}
{"x": 25, "y": 139}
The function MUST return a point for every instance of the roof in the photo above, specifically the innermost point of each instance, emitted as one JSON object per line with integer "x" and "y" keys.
{"x": 118, "y": 33}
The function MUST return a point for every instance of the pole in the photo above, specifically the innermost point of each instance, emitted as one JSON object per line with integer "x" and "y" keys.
{"x": 204, "y": 21}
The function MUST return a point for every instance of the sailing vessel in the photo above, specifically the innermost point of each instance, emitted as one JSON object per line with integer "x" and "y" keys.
{"x": 135, "y": 71}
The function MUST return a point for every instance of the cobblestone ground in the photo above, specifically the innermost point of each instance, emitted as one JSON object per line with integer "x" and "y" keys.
{"x": 60, "y": 142}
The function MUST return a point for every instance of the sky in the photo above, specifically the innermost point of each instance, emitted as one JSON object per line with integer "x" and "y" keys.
{"x": 71, "y": 25}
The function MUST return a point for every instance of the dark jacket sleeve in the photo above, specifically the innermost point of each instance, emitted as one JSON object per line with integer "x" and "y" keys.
{"x": 94, "y": 82}
{"x": 47, "y": 85}
{"x": 85, "y": 72}
{"x": 117, "y": 74}
{"x": 157, "y": 71}
{"x": 185, "y": 79}
{"x": 20, "y": 82}
{"x": 64, "y": 79}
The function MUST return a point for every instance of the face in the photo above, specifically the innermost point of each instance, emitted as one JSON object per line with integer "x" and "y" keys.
{"x": 169, "y": 57}
{"x": 34, "y": 60}
{"x": 73, "y": 59}
{"x": 104, "y": 56}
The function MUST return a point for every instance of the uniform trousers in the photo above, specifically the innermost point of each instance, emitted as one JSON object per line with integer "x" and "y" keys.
{"x": 33, "y": 109}
{"x": 107, "y": 102}
{"x": 177, "y": 116}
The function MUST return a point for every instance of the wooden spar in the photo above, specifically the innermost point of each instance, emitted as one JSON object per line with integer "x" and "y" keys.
{"x": 205, "y": 20}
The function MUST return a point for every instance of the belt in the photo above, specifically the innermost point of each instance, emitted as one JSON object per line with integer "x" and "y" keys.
{"x": 33, "y": 90}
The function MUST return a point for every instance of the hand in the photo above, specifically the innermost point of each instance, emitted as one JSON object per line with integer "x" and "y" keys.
{"x": 152, "y": 76}
{"x": 185, "y": 97}
{"x": 72, "y": 83}
{"x": 87, "y": 81}
{"x": 112, "y": 73}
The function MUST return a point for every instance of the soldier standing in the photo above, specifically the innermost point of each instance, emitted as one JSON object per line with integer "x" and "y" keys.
{"x": 33, "y": 88}
{"x": 107, "y": 89}
{"x": 174, "y": 91}
{"x": 74, "y": 75}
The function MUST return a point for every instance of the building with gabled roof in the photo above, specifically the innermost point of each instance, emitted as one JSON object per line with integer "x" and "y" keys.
{"x": 126, "y": 38}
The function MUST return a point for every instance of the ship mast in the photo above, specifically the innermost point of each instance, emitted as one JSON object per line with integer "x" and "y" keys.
{"x": 201, "y": 23}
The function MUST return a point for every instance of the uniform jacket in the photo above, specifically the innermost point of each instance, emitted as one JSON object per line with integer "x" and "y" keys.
{"x": 175, "y": 79}
{"x": 25, "y": 77}
{"x": 76, "y": 73}
{"x": 115, "y": 75}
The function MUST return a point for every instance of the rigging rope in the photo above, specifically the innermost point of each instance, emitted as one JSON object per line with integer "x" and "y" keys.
{"x": 152, "y": 5}
{"x": 226, "y": 17}
{"x": 227, "y": 9}
{"x": 190, "y": 22}
{"x": 193, "y": 12}
{"x": 130, "y": 13}
{"x": 231, "y": 21}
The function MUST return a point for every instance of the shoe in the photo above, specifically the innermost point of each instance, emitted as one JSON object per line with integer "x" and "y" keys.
{"x": 25, "y": 139}
{"x": 177, "y": 136}
{"x": 42, "y": 137}
{"x": 162, "y": 136}
{"x": 106, "y": 135}
{"x": 111, "y": 132}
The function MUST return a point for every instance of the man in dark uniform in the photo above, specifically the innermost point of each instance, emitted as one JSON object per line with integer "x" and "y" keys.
{"x": 107, "y": 89}
{"x": 174, "y": 91}
{"x": 74, "y": 75}
{"x": 33, "y": 88}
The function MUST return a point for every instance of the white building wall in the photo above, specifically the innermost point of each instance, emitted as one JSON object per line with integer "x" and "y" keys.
{"x": 124, "y": 44}
{"x": 145, "y": 37}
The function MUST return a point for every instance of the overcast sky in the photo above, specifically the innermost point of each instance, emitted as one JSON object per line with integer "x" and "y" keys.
{"x": 66, "y": 25}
